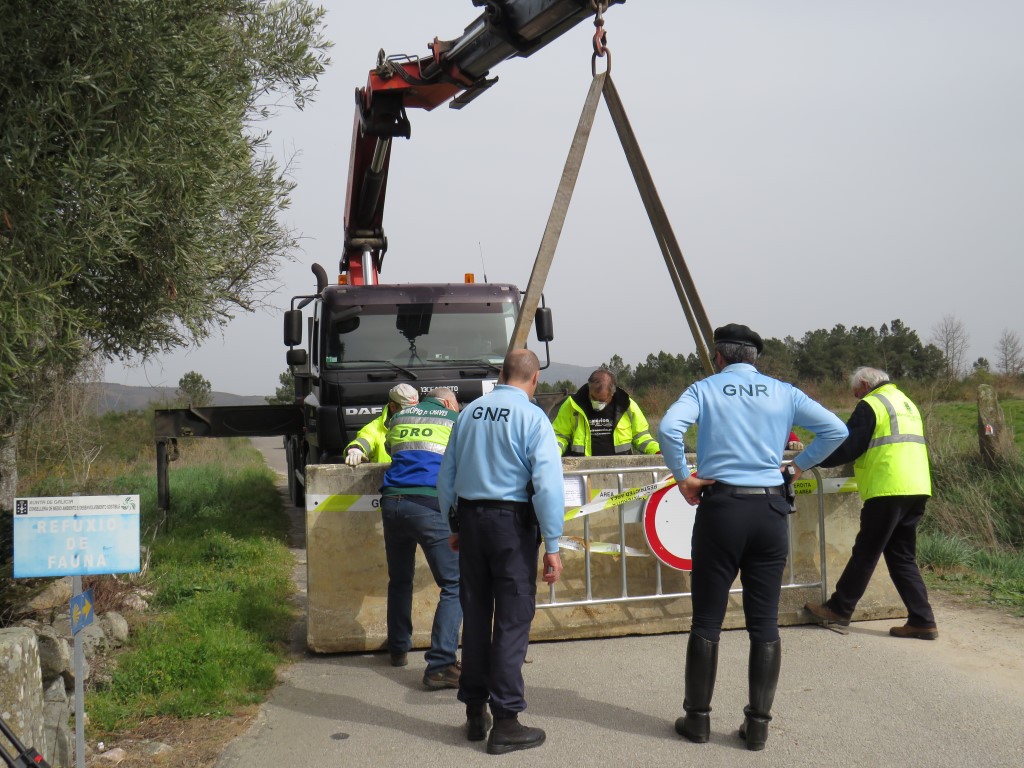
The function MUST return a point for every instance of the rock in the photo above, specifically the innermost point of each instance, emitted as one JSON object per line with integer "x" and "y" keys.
{"x": 56, "y": 595}
{"x": 21, "y": 685}
{"x": 154, "y": 748}
{"x": 113, "y": 756}
{"x": 54, "y": 654}
{"x": 56, "y": 717}
{"x": 115, "y": 627}
{"x": 134, "y": 602}
{"x": 93, "y": 639}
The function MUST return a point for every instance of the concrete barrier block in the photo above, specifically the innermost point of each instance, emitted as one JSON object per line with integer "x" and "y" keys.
{"x": 347, "y": 570}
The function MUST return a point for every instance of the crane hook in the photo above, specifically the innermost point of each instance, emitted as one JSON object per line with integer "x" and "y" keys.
{"x": 600, "y": 37}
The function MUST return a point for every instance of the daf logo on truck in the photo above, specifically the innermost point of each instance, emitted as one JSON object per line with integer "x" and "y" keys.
{"x": 363, "y": 410}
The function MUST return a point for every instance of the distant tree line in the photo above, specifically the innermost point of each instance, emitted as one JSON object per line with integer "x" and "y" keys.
{"x": 829, "y": 356}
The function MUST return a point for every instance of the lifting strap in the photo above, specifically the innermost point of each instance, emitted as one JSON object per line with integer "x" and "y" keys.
{"x": 696, "y": 317}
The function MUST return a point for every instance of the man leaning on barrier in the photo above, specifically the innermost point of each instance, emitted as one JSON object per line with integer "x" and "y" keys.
{"x": 741, "y": 526}
{"x": 887, "y": 441}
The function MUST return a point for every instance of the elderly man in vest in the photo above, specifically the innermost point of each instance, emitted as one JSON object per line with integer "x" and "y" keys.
{"x": 368, "y": 444}
{"x": 887, "y": 442}
{"x": 417, "y": 438}
{"x": 602, "y": 420}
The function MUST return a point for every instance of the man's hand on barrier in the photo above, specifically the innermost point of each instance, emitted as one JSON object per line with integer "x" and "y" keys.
{"x": 354, "y": 457}
{"x": 552, "y": 567}
{"x": 794, "y": 445}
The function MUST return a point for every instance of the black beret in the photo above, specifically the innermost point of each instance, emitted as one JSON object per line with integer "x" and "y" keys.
{"x": 734, "y": 333}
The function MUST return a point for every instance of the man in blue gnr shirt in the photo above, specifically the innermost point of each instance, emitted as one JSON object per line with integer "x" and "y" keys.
{"x": 741, "y": 527}
{"x": 502, "y": 477}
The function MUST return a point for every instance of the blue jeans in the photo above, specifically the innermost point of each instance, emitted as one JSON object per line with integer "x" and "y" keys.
{"x": 408, "y": 521}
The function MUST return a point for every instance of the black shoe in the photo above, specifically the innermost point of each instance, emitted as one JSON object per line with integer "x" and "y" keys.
{"x": 694, "y": 727}
{"x": 478, "y": 722}
{"x": 399, "y": 659}
{"x": 754, "y": 731}
{"x": 509, "y": 735}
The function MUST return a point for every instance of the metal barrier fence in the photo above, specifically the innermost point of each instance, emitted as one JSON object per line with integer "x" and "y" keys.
{"x": 657, "y": 473}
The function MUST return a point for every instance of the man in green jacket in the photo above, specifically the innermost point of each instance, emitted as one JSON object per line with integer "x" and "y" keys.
{"x": 602, "y": 420}
{"x": 368, "y": 444}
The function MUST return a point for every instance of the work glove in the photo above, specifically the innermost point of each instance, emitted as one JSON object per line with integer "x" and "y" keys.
{"x": 355, "y": 457}
{"x": 794, "y": 445}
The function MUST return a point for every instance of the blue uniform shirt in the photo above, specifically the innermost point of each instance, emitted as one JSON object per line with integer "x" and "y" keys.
{"x": 744, "y": 419}
{"x": 500, "y": 443}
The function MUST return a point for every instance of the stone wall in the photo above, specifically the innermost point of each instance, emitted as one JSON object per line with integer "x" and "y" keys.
{"x": 37, "y": 674}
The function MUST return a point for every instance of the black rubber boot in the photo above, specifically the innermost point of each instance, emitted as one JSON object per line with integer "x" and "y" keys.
{"x": 763, "y": 678}
{"x": 509, "y": 735}
{"x": 701, "y": 669}
{"x": 478, "y": 722}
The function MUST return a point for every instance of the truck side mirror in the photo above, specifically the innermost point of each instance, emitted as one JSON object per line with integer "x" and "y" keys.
{"x": 293, "y": 327}
{"x": 545, "y": 327}
{"x": 296, "y": 357}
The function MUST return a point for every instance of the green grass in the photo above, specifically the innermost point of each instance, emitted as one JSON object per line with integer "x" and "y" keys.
{"x": 219, "y": 571}
{"x": 993, "y": 578}
{"x": 221, "y": 578}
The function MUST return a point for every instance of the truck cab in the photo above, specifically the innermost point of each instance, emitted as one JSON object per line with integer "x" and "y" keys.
{"x": 361, "y": 340}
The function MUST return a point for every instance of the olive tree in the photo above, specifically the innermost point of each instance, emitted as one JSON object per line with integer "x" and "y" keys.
{"x": 138, "y": 201}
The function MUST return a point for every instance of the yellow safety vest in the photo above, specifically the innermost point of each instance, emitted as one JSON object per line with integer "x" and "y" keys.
{"x": 370, "y": 439}
{"x": 631, "y": 433}
{"x": 896, "y": 461}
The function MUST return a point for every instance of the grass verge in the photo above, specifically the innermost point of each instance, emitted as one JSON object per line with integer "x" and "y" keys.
{"x": 221, "y": 582}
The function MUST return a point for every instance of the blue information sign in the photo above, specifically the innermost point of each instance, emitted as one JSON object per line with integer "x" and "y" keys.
{"x": 76, "y": 536}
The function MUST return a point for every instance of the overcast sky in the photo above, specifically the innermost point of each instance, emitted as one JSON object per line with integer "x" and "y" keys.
{"x": 820, "y": 162}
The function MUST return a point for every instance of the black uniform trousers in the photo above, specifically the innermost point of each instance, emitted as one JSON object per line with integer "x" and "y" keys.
{"x": 498, "y": 590}
{"x": 888, "y": 528}
{"x": 739, "y": 533}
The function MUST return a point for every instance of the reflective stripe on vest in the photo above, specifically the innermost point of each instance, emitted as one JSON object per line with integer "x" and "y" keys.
{"x": 418, "y": 445}
{"x": 894, "y": 436}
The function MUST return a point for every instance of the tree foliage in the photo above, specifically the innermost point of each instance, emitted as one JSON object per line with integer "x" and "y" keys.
{"x": 818, "y": 356}
{"x": 137, "y": 202}
{"x": 195, "y": 390}
{"x": 284, "y": 394}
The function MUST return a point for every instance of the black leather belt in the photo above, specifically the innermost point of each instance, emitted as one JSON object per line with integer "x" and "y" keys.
{"x": 511, "y": 506}
{"x": 746, "y": 490}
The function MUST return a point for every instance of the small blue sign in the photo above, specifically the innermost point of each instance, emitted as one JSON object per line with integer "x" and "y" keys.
{"x": 82, "y": 613}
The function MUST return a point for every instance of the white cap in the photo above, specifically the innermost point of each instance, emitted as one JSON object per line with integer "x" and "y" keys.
{"x": 404, "y": 395}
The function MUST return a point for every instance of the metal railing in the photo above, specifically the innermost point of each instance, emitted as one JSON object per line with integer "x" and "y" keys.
{"x": 656, "y": 473}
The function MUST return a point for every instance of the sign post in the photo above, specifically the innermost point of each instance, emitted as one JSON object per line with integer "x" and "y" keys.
{"x": 76, "y": 536}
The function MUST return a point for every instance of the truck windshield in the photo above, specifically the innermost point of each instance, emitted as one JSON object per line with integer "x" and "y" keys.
{"x": 419, "y": 335}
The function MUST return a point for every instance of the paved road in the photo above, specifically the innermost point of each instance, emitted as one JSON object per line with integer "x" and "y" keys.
{"x": 859, "y": 699}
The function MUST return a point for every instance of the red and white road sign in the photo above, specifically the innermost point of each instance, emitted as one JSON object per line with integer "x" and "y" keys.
{"x": 668, "y": 526}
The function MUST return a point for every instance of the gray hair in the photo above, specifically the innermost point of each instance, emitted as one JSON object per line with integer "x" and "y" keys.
{"x": 444, "y": 394}
{"x": 736, "y": 353}
{"x": 871, "y": 377}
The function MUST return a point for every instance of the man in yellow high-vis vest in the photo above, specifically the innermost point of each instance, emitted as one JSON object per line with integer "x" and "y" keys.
{"x": 887, "y": 445}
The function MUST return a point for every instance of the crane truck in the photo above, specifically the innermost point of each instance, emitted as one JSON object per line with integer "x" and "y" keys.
{"x": 360, "y": 336}
{"x": 363, "y": 336}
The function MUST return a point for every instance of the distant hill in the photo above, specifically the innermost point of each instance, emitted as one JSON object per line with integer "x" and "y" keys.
{"x": 120, "y": 397}
{"x": 561, "y": 371}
